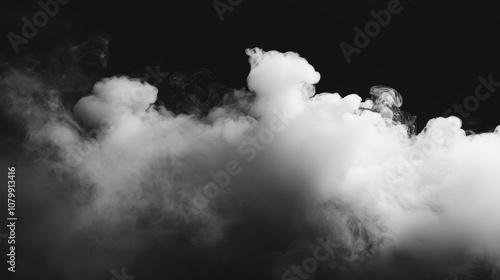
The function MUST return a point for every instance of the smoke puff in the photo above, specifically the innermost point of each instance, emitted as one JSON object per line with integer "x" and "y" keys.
{"x": 280, "y": 80}
{"x": 340, "y": 167}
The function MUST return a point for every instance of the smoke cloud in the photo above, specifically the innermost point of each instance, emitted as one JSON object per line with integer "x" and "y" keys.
{"x": 252, "y": 188}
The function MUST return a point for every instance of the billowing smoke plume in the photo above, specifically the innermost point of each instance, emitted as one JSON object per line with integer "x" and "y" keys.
{"x": 277, "y": 182}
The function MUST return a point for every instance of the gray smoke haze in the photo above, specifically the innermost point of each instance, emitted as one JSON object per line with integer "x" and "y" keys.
{"x": 247, "y": 190}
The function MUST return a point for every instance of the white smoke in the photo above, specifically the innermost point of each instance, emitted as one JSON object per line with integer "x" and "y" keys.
{"x": 360, "y": 175}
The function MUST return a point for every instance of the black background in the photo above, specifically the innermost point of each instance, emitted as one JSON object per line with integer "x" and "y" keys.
{"x": 432, "y": 52}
